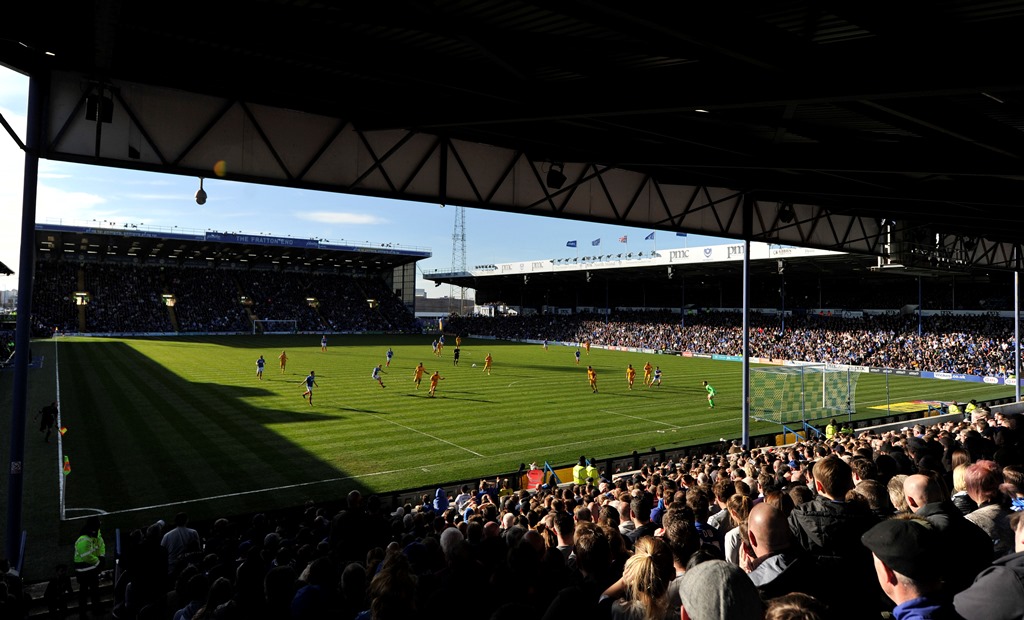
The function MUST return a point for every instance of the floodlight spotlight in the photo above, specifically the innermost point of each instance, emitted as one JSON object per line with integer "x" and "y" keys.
{"x": 556, "y": 178}
{"x": 201, "y": 194}
{"x": 786, "y": 214}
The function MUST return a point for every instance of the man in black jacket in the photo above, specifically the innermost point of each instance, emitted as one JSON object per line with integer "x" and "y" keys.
{"x": 830, "y": 529}
{"x": 968, "y": 547}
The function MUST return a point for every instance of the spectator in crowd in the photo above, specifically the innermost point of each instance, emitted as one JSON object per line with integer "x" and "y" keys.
{"x": 907, "y": 554}
{"x": 795, "y": 606}
{"x": 961, "y": 499}
{"x": 983, "y": 480}
{"x": 58, "y": 592}
{"x": 716, "y": 589}
{"x": 775, "y": 563}
{"x": 969, "y": 549}
{"x": 828, "y": 528}
{"x": 180, "y": 541}
{"x": 998, "y": 592}
{"x": 644, "y": 584}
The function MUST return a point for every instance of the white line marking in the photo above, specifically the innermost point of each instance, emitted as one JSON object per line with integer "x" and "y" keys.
{"x": 674, "y": 426}
{"x": 241, "y": 493}
{"x": 361, "y": 476}
{"x": 635, "y": 417}
{"x": 60, "y": 441}
{"x": 434, "y": 437}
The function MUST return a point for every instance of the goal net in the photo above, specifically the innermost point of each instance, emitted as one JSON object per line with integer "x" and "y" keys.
{"x": 784, "y": 394}
{"x": 275, "y": 326}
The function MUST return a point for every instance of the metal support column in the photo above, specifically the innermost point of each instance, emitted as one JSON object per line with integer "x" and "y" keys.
{"x": 23, "y": 327}
{"x": 748, "y": 222}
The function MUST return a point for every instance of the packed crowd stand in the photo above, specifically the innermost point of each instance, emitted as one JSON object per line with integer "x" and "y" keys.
{"x": 978, "y": 345}
{"x": 130, "y": 299}
{"x": 919, "y": 523}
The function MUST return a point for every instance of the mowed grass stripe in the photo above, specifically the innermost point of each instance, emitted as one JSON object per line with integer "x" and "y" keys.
{"x": 174, "y": 418}
{"x": 133, "y": 383}
{"x": 245, "y": 448}
{"x": 196, "y": 456}
{"x": 89, "y": 410}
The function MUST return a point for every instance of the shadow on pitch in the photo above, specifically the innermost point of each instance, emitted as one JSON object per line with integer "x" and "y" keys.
{"x": 146, "y": 436}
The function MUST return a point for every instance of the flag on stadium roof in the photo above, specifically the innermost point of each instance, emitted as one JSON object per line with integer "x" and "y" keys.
{"x": 596, "y": 241}
{"x": 67, "y": 466}
{"x": 63, "y": 430}
{"x": 570, "y": 244}
{"x": 622, "y": 239}
{"x": 649, "y": 237}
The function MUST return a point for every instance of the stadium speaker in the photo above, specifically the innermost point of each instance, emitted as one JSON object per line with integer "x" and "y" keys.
{"x": 556, "y": 176}
{"x": 201, "y": 194}
{"x": 99, "y": 107}
{"x": 786, "y": 214}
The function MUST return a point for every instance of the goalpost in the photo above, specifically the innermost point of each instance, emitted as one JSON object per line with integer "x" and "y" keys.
{"x": 797, "y": 394}
{"x": 275, "y": 326}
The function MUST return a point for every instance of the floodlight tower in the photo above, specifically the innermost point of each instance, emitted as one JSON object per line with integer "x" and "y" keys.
{"x": 459, "y": 255}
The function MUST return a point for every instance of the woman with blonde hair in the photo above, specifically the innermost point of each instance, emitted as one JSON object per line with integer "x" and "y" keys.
{"x": 960, "y": 498}
{"x": 896, "y": 495}
{"x": 739, "y": 509}
{"x": 643, "y": 588}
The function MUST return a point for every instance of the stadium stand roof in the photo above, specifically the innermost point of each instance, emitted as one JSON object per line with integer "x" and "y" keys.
{"x": 656, "y": 265}
{"x": 877, "y": 128}
{"x": 171, "y": 248}
{"x": 695, "y": 276}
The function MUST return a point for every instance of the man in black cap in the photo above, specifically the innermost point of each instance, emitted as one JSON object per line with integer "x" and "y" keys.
{"x": 907, "y": 554}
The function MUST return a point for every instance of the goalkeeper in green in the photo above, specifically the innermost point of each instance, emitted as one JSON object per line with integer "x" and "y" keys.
{"x": 711, "y": 395}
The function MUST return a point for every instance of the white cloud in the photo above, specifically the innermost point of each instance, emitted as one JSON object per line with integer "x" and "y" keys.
{"x": 169, "y": 196}
{"x": 53, "y": 204}
{"x": 330, "y": 217}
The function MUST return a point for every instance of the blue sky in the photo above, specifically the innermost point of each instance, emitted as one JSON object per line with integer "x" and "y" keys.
{"x": 79, "y": 194}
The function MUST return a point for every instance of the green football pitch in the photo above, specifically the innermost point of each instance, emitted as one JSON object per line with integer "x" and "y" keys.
{"x": 164, "y": 424}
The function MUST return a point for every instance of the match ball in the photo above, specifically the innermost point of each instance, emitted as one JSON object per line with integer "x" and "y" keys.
{"x": 474, "y": 365}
